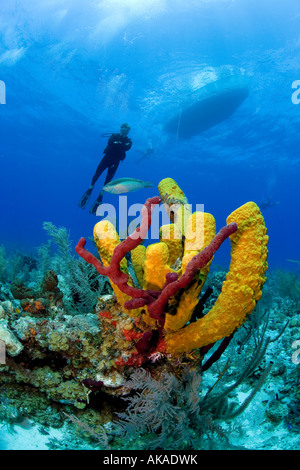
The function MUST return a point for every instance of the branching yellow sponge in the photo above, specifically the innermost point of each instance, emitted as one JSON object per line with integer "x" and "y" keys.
{"x": 156, "y": 266}
{"x": 175, "y": 202}
{"x": 200, "y": 230}
{"x": 106, "y": 239}
{"x": 179, "y": 243}
{"x": 241, "y": 289}
{"x": 138, "y": 256}
{"x": 172, "y": 237}
{"x": 170, "y": 192}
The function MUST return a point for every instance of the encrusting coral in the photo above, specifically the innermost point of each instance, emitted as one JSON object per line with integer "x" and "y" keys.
{"x": 172, "y": 272}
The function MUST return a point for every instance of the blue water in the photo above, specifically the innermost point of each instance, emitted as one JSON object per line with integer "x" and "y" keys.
{"x": 74, "y": 70}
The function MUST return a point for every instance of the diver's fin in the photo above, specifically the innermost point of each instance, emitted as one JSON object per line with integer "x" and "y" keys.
{"x": 85, "y": 198}
{"x": 97, "y": 203}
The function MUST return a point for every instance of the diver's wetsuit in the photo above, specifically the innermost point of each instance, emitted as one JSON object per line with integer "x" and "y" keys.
{"x": 114, "y": 152}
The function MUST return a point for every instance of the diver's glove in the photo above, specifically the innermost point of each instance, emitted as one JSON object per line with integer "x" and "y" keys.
{"x": 85, "y": 198}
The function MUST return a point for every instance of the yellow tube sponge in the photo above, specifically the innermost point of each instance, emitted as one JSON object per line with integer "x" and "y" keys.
{"x": 171, "y": 236}
{"x": 170, "y": 192}
{"x": 201, "y": 229}
{"x": 106, "y": 239}
{"x": 241, "y": 289}
{"x": 175, "y": 203}
{"x": 156, "y": 266}
{"x": 138, "y": 256}
{"x": 184, "y": 309}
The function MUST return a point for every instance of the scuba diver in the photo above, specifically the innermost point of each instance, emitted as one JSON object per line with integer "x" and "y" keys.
{"x": 267, "y": 202}
{"x": 114, "y": 152}
{"x": 145, "y": 153}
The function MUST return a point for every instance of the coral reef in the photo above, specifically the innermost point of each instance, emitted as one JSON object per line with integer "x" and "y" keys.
{"x": 274, "y": 409}
{"x": 153, "y": 320}
{"x": 36, "y": 302}
{"x": 57, "y": 352}
{"x": 68, "y": 357}
{"x": 168, "y": 297}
